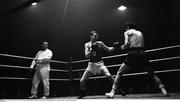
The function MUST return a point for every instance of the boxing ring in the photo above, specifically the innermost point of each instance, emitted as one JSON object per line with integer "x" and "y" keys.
{"x": 65, "y": 76}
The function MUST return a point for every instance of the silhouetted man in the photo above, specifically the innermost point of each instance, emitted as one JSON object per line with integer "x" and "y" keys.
{"x": 93, "y": 51}
{"x": 136, "y": 58}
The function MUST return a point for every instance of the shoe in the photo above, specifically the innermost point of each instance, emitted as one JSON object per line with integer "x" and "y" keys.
{"x": 44, "y": 97}
{"x": 121, "y": 92}
{"x": 82, "y": 94}
{"x": 110, "y": 95}
{"x": 167, "y": 95}
{"x": 164, "y": 92}
{"x": 33, "y": 97}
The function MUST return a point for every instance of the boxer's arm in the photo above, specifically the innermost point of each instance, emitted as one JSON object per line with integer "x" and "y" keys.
{"x": 126, "y": 41}
{"x": 32, "y": 64}
{"x": 106, "y": 48}
{"x": 87, "y": 51}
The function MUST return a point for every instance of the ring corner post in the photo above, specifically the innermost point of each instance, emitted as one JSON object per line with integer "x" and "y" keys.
{"x": 70, "y": 75}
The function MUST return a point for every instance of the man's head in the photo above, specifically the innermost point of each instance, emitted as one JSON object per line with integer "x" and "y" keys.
{"x": 94, "y": 36}
{"x": 129, "y": 25}
{"x": 44, "y": 45}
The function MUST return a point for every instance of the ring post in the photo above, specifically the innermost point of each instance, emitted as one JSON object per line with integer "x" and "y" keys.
{"x": 70, "y": 75}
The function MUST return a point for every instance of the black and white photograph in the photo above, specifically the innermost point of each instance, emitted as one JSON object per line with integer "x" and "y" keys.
{"x": 89, "y": 50}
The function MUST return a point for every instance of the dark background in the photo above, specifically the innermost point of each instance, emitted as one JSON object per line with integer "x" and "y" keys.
{"x": 65, "y": 24}
{"x": 66, "y": 28}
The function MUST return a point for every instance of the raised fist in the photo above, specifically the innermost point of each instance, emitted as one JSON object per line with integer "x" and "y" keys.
{"x": 94, "y": 46}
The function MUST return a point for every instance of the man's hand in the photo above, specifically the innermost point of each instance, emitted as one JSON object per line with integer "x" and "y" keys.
{"x": 94, "y": 46}
{"x": 31, "y": 66}
{"x": 124, "y": 47}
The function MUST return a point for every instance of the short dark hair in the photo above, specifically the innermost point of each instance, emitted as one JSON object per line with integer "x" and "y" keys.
{"x": 94, "y": 31}
{"x": 45, "y": 42}
{"x": 130, "y": 24}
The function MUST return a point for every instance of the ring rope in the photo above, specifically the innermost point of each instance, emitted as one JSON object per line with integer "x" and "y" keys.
{"x": 163, "y": 48}
{"x": 16, "y": 78}
{"x": 158, "y": 49}
{"x": 61, "y": 62}
{"x": 15, "y": 56}
{"x": 133, "y": 74}
{"x": 116, "y": 65}
{"x": 60, "y": 79}
{"x": 59, "y": 70}
{"x": 80, "y": 61}
{"x": 163, "y": 59}
{"x": 88, "y": 60}
{"x": 12, "y": 66}
{"x": 99, "y": 77}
